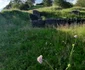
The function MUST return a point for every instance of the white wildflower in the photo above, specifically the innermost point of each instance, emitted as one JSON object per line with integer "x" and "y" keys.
{"x": 75, "y": 36}
{"x": 39, "y": 59}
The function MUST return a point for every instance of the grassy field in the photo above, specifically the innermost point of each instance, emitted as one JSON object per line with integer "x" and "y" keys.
{"x": 20, "y": 44}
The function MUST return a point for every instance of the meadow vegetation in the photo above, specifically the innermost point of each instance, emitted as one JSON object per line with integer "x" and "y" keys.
{"x": 20, "y": 44}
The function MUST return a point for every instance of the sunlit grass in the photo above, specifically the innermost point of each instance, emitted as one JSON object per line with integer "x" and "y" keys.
{"x": 53, "y": 12}
{"x": 74, "y": 29}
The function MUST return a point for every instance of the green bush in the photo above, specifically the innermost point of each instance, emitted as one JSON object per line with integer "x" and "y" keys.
{"x": 62, "y": 3}
{"x": 24, "y": 7}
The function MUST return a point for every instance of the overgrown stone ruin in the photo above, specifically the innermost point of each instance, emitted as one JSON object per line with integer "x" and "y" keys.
{"x": 76, "y": 12}
{"x": 37, "y": 21}
{"x": 37, "y": 13}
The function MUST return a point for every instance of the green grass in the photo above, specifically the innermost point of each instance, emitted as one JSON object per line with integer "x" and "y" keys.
{"x": 20, "y": 44}
{"x": 53, "y": 12}
{"x": 36, "y": 7}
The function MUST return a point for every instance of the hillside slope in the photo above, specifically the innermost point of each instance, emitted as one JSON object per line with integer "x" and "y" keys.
{"x": 14, "y": 16}
{"x": 20, "y": 45}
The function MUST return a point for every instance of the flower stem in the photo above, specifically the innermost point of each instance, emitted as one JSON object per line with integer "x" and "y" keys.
{"x": 49, "y": 65}
{"x": 70, "y": 57}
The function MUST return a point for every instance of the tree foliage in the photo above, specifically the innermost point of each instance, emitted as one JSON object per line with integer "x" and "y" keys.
{"x": 24, "y": 6}
{"x": 62, "y": 3}
{"x": 20, "y": 3}
{"x": 81, "y": 3}
{"x": 47, "y": 2}
{"x": 30, "y": 2}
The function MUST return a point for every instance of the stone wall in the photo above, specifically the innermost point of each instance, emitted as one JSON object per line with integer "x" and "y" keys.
{"x": 37, "y": 21}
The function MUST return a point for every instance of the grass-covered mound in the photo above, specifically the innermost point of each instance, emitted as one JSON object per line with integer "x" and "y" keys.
{"x": 56, "y": 12}
{"x": 20, "y": 45}
{"x": 14, "y": 17}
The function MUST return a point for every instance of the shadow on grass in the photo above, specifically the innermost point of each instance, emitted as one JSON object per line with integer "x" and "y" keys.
{"x": 18, "y": 14}
{"x": 13, "y": 19}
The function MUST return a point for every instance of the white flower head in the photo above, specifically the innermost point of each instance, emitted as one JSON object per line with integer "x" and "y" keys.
{"x": 75, "y": 36}
{"x": 39, "y": 59}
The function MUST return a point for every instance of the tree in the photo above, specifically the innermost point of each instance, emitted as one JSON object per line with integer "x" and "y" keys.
{"x": 81, "y": 3}
{"x": 57, "y": 2}
{"x": 30, "y": 2}
{"x": 16, "y": 1}
{"x": 24, "y": 6}
{"x": 8, "y": 6}
{"x": 62, "y": 3}
{"x": 20, "y": 3}
{"x": 47, "y": 2}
